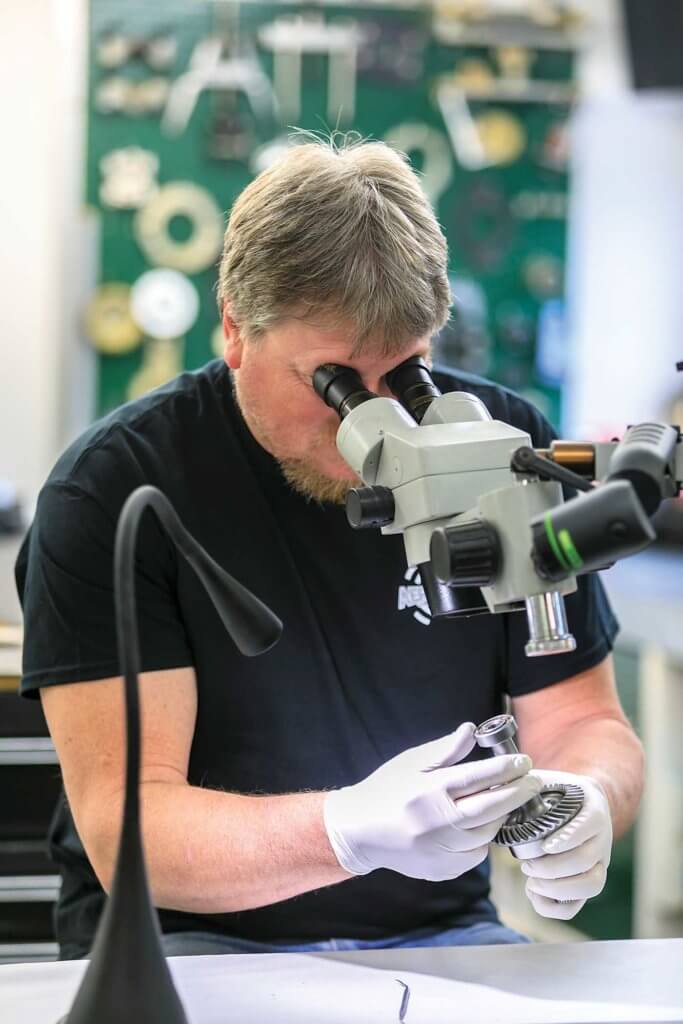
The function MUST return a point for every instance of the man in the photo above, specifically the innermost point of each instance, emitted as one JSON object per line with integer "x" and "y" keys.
{"x": 318, "y": 796}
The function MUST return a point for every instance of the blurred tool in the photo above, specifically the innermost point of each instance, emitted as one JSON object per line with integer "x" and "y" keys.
{"x": 514, "y": 62}
{"x": 543, "y": 274}
{"x": 230, "y": 135}
{"x": 392, "y": 52}
{"x": 515, "y": 327}
{"x": 109, "y": 323}
{"x": 538, "y": 818}
{"x": 483, "y": 225}
{"x": 538, "y": 23}
{"x": 536, "y": 205}
{"x": 291, "y": 37}
{"x": 465, "y": 341}
{"x": 114, "y": 49}
{"x": 162, "y": 361}
{"x": 118, "y": 95}
{"x": 164, "y": 303}
{"x": 129, "y": 177}
{"x": 152, "y": 227}
{"x": 436, "y": 170}
{"x": 211, "y": 69}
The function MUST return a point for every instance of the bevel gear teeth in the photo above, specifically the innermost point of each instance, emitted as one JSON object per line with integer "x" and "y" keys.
{"x": 564, "y": 801}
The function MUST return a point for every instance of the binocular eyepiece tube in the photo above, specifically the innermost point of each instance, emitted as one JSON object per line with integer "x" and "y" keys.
{"x": 342, "y": 389}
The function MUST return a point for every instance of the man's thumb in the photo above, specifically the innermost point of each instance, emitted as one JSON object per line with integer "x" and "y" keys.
{"x": 447, "y": 750}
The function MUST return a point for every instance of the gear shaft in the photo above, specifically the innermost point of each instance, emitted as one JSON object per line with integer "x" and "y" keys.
{"x": 544, "y": 814}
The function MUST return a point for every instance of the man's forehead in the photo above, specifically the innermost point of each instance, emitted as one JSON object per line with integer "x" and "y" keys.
{"x": 364, "y": 357}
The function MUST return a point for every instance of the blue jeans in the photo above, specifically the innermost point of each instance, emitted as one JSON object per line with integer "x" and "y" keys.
{"x": 480, "y": 933}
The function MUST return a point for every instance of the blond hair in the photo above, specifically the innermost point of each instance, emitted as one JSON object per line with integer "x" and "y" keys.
{"x": 337, "y": 230}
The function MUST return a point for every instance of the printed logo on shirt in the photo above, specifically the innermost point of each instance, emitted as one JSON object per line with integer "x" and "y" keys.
{"x": 411, "y": 595}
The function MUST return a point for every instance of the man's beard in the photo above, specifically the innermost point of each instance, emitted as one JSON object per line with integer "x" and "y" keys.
{"x": 314, "y": 485}
{"x": 300, "y": 474}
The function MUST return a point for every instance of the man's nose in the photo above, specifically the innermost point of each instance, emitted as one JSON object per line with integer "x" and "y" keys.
{"x": 378, "y": 386}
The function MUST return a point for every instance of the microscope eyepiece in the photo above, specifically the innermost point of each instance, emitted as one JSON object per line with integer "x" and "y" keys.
{"x": 340, "y": 387}
{"x": 412, "y": 383}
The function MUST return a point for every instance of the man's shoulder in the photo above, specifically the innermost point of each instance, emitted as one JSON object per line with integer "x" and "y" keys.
{"x": 151, "y": 428}
{"x": 502, "y": 403}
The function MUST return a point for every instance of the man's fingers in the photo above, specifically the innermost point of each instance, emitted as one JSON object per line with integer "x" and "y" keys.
{"x": 481, "y": 808}
{"x": 475, "y": 776}
{"x": 446, "y": 750}
{"x": 560, "y": 865}
{"x": 576, "y": 887}
{"x": 583, "y": 827}
{"x": 551, "y": 908}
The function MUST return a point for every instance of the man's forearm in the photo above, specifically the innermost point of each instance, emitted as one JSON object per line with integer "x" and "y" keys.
{"x": 214, "y": 852}
{"x": 610, "y": 752}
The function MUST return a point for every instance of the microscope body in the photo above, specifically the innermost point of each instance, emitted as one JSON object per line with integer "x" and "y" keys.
{"x": 462, "y": 511}
{"x": 482, "y": 513}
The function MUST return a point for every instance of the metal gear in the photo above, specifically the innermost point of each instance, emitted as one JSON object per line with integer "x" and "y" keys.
{"x": 538, "y": 818}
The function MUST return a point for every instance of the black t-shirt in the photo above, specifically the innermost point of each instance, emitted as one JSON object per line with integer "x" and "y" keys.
{"x": 360, "y": 672}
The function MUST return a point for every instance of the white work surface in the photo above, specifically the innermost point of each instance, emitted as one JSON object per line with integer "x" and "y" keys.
{"x": 602, "y": 981}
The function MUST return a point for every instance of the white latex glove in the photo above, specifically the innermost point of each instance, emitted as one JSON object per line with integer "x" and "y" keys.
{"x": 573, "y": 867}
{"x": 423, "y": 815}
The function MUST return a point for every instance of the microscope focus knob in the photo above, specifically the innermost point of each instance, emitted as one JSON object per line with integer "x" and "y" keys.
{"x": 370, "y": 507}
{"x": 467, "y": 554}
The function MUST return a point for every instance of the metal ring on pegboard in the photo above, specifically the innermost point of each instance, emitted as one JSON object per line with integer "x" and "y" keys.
{"x": 152, "y": 227}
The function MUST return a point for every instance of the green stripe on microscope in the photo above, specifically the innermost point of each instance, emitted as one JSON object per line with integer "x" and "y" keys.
{"x": 552, "y": 540}
{"x": 570, "y": 551}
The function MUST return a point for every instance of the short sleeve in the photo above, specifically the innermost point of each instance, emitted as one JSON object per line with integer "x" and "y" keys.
{"x": 64, "y": 576}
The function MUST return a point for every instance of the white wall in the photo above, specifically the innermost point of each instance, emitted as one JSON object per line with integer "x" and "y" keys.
{"x": 46, "y": 378}
{"x": 625, "y": 246}
{"x": 41, "y": 171}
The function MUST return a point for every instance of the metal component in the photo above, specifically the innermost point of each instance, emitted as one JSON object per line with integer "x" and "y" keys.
{"x": 128, "y": 177}
{"x": 547, "y": 619}
{"x": 27, "y": 750}
{"x": 543, "y": 274}
{"x": 163, "y": 360}
{"x": 211, "y": 70}
{"x": 544, "y": 814}
{"x": 164, "y": 303}
{"x": 152, "y": 227}
{"x": 528, "y": 205}
{"x": 118, "y": 95}
{"x": 109, "y": 323}
{"x": 498, "y": 734}
{"x": 560, "y": 803}
{"x": 527, "y": 460}
{"x": 290, "y": 37}
{"x": 502, "y": 136}
{"x": 29, "y": 888}
{"x": 405, "y": 999}
{"x": 110, "y": 95}
{"x": 579, "y": 456}
{"x": 147, "y": 97}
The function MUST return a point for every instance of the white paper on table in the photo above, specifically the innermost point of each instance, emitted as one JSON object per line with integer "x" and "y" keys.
{"x": 292, "y": 988}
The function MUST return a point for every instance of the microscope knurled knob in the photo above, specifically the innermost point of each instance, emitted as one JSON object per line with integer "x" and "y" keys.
{"x": 466, "y": 555}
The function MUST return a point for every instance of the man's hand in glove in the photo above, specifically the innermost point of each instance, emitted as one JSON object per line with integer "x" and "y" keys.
{"x": 575, "y": 861}
{"x": 424, "y": 815}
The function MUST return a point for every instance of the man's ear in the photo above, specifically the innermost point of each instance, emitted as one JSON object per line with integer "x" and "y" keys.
{"x": 233, "y": 340}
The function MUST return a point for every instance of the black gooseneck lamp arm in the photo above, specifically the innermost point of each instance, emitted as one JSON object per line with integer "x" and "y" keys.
{"x": 127, "y": 980}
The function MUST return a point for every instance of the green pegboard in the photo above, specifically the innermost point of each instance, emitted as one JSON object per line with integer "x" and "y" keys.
{"x": 484, "y": 212}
